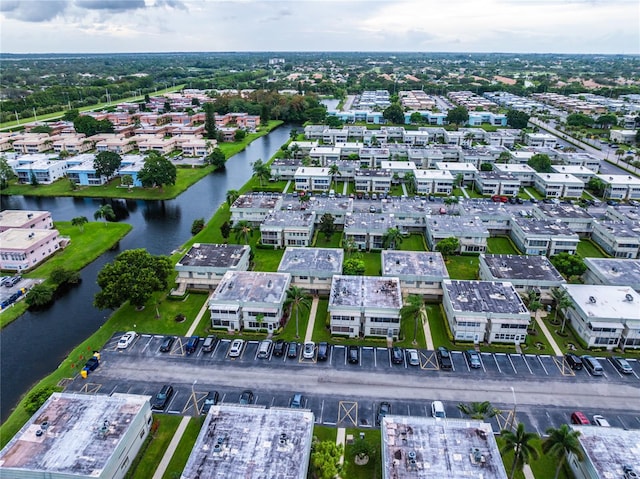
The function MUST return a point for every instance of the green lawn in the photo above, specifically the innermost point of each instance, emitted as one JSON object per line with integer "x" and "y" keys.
{"x": 534, "y": 192}
{"x": 85, "y": 247}
{"x": 544, "y": 467}
{"x": 181, "y": 455}
{"x": 325, "y": 433}
{"x": 437, "y": 325}
{"x": 462, "y": 267}
{"x": 588, "y": 249}
{"x": 371, "y": 470}
{"x": 267, "y": 259}
{"x": 320, "y": 241}
{"x": 147, "y": 460}
{"x": 320, "y": 330}
{"x": 372, "y": 263}
{"x": 501, "y": 245}
{"x": 414, "y": 242}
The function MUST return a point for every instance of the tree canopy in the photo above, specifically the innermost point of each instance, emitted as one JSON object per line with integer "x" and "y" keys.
{"x": 210, "y": 120}
{"x": 394, "y": 114}
{"x": 353, "y": 267}
{"x": 6, "y": 173}
{"x": 517, "y": 119}
{"x": 216, "y": 158}
{"x": 157, "y": 171}
{"x": 579, "y": 119}
{"x": 327, "y": 224}
{"x": 90, "y": 126}
{"x": 448, "y": 246}
{"x": 568, "y": 265}
{"x": 458, "y": 115}
{"x": 541, "y": 163}
{"x": 134, "y": 275}
{"x": 106, "y": 163}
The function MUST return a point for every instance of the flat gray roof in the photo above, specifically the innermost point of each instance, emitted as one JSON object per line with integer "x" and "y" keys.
{"x": 610, "y": 448}
{"x": 368, "y": 222}
{"x": 374, "y": 172}
{"x": 615, "y": 303}
{"x": 214, "y": 255}
{"x": 289, "y": 218}
{"x": 544, "y": 227}
{"x": 425, "y": 448}
{"x": 365, "y": 291}
{"x": 617, "y": 272}
{"x": 532, "y": 267}
{"x": 484, "y": 297}
{"x": 252, "y": 442}
{"x": 624, "y": 229}
{"x": 264, "y": 201}
{"x": 429, "y": 265}
{"x": 311, "y": 261}
{"x": 78, "y": 434}
{"x": 562, "y": 211}
{"x": 494, "y": 175}
{"x": 252, "y": 287}
{"x": 456, "y": 226}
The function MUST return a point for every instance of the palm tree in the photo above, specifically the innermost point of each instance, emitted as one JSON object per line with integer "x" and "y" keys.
{"x": 413, "y": 307}
{"x": 520, "y": 443}
{"x": 105, "y": 212}
{"x": 560, "y": 443}
{"x": 392, "y": 238}
{"x": 350, "y": 245}
{"x": 243, "y": 231}
{"x": 79, "y": 221}
{"x": 297, "y": 298}
{"x": 504, "y": 157}
{"x": 295, "y": 150}
{"x": 334, "y": 170}
{"x": 410, "y": 182}
{"x": 261, "y": 170}
{"x": 232, "y": 196}
{"x": 534, "y": 305}
{"x": 469, "y": 136}
{"x": 563, "y": 301}
{"x": 478, "y": 410}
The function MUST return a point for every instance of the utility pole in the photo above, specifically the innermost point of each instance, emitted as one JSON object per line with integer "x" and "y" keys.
{"x": 515, "y": 404}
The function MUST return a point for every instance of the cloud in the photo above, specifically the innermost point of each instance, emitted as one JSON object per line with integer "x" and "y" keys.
{"x": 113, "y": 5}
{"x": 33, "y": 11}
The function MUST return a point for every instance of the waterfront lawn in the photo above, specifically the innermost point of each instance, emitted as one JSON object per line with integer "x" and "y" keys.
{"x": 149, "y": 457}
{"x": 85, "y": 247}
{"x": 181, "y": 455}
{"x": 462, "y": 267}
{"x": 588, "y": 249}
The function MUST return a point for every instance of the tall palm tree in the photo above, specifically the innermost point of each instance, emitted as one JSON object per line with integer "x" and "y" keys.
{"x": 295, "y": 150}
{"x": 261, "y": 170}
{"x": 563, "y": 301}
{"x": 79, "y": 221}
{"x": 232, "y": 195}
{"x": 350, "y": 245}
{"x": 105, "y": 212}
{"x": 520, "y": 443}
{"x": 243, "y": 231}
{"x": 478, "y": 410}
{"x": 413, "y": 307}
{"x": 334, "y": 170}
{"x": 560, "y": 443}
{"x": 392, "y": 238}
{"x": 534, "y": 305}
{"x": 296, "y": 298}
{"x": 410, "y": 182}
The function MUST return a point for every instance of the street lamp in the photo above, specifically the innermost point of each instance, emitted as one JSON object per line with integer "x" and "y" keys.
{"x": 193, "y": 396}
{"x": 515, "y": 404}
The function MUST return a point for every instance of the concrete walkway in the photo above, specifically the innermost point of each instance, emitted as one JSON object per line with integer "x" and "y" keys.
{"x": 528, "y": 473}
{"x": 464, "y": 192}
{"x": 340, "y": 439}
{"x": 312, "y": 319}
{"x": 286, "y": 187}
{"x": 427, "y": 330}
{"x": 547, "y": 334}
{"x": 173, "y": 445}
{"x": 194, "y": 325}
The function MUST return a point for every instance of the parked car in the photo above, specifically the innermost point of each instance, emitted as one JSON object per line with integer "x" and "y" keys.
{"x": 292, "y": 350}
{"x": 92, "y": 364}
{"x": 383, "y": 409}
{"x": 444, "y": 358}
{"x": 167, "y": 343}
{"x": 162, "y": 398}
{"x": 192, "y": 344}
{"x": 599, "y": 420}
{"x": 578, "y": 417}
{"x": 499, "y": 199}
{"x": 621, "y": 364}
{"x": 264, "y": 348}
{"x": 296, "y": 402}
{"x": 437, "y": 410}
{"x": 323, "y": 351}
{"x": 279, "y": 347}
{"x": 235, "y": 350}
{"x": 209, "y": 343}
{"x": 309, "y": 350}
{"x": 397, "y": 356}
{"x": 353, "y": 354}
{"x": 12, "y": 281}
{"x": 211, "y": 399}
{"x": 126, "y": 339}
{"x": 246, "y": 397}
{"x": 414, "y": 359}
{"x": 474, "y": 358}
{"x": 593, "y": 365}
{"x": 573, "y": 361}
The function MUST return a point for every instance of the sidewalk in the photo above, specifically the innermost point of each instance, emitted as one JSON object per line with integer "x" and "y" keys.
{"x": 547, "y": 334}
{"x": 427, "y": 331}
{"x": 528, "y": 473}
{"x": 194, "y": 325}
{"x": 312, "y": 319}
{"x": 173, "y": 445}
{"x": 340, "y": 439}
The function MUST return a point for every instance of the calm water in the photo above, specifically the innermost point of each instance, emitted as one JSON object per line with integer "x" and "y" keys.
{"x": 34, "y": 345}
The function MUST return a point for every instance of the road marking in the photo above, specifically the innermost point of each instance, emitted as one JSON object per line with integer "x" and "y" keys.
{"x": 542, "y": 364}
{"x": 91, "y": 388}
{"x": 510, "y": 361}
{"x": 526, "y": 363}
{"x": 495, "y": 358}
{"x": 348, "y": 410}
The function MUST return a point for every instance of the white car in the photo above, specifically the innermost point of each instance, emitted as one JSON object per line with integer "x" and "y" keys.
{"x": 126, "y": 339}
{"x": 437, "y": 410}
{"x": 599, "y": 420}
{"x": 414, "y": 359}
{"x": 236, "y": 348}
{"x": 309, "y": 350}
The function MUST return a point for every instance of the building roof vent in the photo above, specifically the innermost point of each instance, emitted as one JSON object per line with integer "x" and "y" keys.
{"x": 628, "y": 297}
{"x": 592, "y": 299}
{"x": 629, "y": 473}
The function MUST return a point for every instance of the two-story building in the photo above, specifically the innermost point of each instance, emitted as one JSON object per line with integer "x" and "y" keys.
{"x": 374, "y": 181}
{"x": 419, "y": 272}
{"x": 312, "y": 268}
{"x": 255, "y": 207}
{"x": 612, "y": 272}
{"x": 282, "y": 228}
{"x": 620, "y": 239}
{"x": 620, "y": 187}
{"x": 543, "y": 237}
{"x": 309, "y": 178}
{"x": 25, "y": 219}
{"x": 438, "y": 182}
{"x": 472, "y": 234}
{"x": 492, "y": 183}
{"x": 24, "y": 249}
{"x": 558, "y": 185}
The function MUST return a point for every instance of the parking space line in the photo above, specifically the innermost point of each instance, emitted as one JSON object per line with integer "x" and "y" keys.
{"x": 511, "y": 362}
{"x": 345, "y": 410}
{"x": 526, "y": 363}
{"x": 496, "y": 360}
{"x": 542, "y": 364}
{"x": 91, "y": 388}
{"x": 321, "y": 412}
{"x": 563, "y": 366}
{"x": 178, "y": 348}
{"x": 430, "y": 360}
{"x": 144, "y": 349}
{"x": 614, "y": 368}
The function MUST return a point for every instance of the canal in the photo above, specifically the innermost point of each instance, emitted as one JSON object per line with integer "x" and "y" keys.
{"x": 35, "y": 344}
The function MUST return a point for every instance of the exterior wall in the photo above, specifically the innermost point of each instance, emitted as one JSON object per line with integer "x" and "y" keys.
{"x": 608, "y": 338}
{"x": 31, "y": 254}
{"x": 345, "y": 322}
{"x": 617, "y": 246}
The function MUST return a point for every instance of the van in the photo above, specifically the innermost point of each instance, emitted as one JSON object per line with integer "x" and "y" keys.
{"x": 332, "y": 193}
{"x": 592, "y": 365}
{"x": 573, "y": 361}
{"x": 264, "y": 348}
{"x": 192, "y": 344}
{"x": 437, "y": 410}
{"x": 209, "y": 343}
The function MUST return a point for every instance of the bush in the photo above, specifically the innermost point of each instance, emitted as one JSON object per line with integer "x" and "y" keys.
{"x": 37, "y": 398}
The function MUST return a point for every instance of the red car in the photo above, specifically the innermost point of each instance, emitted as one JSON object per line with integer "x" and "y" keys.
{"x": 499, "y": 199}
{"x": 578, "y": 417}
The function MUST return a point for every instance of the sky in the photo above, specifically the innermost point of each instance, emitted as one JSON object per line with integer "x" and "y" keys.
{"x": 518, "y": 26}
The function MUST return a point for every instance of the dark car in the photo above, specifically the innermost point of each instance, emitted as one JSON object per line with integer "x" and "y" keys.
{"x": 246, "y": 397}
{"x": 444, "y": 358}
{"x": 12, "y": 281}
{"x": 162, "y": 398}
{"x": 209, "y": 343}
{"x": 192, "y": 344}
{"x": 621, "y": 364}
{"x": 573, "y": 361}
{"x": 397, "y": 355}
{"x": 323, "y": 351}
{"x": 279, "y": 347}
{"x": 92, "y": 364}
{"x": 383, "y": 409}
{"x": 292, "y": 350}
{"x": 167, "y": 343}
{"x": 296, "y": 401}
{"x": 353, "y": 354}
{"x": 211, "y": 399}
{"x": 474, "y": 358}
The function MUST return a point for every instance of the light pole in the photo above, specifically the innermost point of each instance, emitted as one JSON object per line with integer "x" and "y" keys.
{"x": 515, "y": 404}
{"x": 193, "y": 396}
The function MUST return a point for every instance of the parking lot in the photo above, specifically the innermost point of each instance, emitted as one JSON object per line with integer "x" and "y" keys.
{"x": 348, "y": 410}
{"x": 16, "y": 292}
